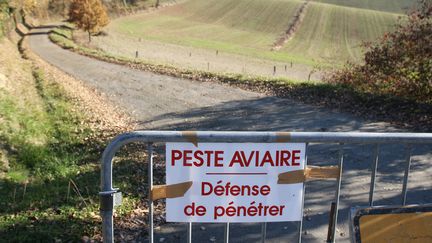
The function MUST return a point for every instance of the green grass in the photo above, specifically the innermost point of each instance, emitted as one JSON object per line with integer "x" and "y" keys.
{"x": 43, "y": 137}
{"x": 397, "y": 6}
{"x": 329, "y": 33}
{"x": 46, "y": 150}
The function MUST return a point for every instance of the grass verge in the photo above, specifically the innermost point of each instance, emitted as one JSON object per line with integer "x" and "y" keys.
{"x": 46, "y": 153}
{"x": 50, "y": 182}
{"x": 400, "y": 112}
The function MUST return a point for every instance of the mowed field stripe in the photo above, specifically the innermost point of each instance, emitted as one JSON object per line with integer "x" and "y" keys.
{"x": 331, "y": 33}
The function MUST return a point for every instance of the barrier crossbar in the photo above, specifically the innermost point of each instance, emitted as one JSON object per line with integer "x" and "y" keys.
{"x": 110, "y": 197}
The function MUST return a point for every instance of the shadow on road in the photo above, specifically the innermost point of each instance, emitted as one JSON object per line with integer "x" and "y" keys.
{"x": 275, "y": 114}
{"x": 261, "y": 114}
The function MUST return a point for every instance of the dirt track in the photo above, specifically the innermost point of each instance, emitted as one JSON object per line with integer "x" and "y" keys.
{"x": 166, "y": 103}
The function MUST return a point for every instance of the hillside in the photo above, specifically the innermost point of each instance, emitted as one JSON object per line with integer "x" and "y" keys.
{"x": 252, "y": 27}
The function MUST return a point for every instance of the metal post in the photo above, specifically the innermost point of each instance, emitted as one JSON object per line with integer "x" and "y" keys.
{"x": 407, "y": 170}
{"x": 107, "y": 193}
{"x": 331, "y": 219}
{"x": 263, "y": 232}
{"x": 373, "y": 176}
{"x": 303, "y": 196}
{"x": 189, "y": 232}
{"x": 226, "y": 233}
{"x": 339, "y": 181}
{"x": 150, "y": 185}
{"x": 107, "y": 226}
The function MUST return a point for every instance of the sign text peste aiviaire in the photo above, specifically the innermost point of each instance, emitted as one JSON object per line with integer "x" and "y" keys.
{"x": 234, "y": 182}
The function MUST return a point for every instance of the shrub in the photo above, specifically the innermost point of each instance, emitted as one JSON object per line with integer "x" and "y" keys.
{"x": 399, "y": 64}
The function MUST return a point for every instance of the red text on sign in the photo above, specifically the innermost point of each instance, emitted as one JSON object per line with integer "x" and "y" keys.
{"x": 254, "y": 158}
{"x": 197, "y": 158}
{"x": 233, "y": 190}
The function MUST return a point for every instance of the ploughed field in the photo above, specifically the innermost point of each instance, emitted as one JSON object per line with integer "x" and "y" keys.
{"x": 329, "y": 33}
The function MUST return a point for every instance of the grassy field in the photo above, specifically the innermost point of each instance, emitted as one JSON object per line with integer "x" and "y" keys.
{"x": 397, "y": 6}
{"x": 329, "y": 33}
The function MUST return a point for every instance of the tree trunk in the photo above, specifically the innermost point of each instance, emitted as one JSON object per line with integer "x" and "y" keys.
{"x": 157, "y": 3}
{"x": 65, "y": 13}
{"x": 89, "y": 35}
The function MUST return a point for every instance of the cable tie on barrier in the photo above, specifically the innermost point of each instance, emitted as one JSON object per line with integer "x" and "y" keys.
{"x": 110, "y": 199}
{"x": 311, "y": 172}
{"x": 170, "y": 191}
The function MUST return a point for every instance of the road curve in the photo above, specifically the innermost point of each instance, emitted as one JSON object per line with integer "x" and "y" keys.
{"x": 163, "y": 102}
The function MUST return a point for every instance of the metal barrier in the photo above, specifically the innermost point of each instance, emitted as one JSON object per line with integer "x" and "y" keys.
{"x": 110, "y": 197}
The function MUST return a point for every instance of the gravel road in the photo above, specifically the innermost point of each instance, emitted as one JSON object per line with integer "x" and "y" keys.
{"x": 167, "y": 103}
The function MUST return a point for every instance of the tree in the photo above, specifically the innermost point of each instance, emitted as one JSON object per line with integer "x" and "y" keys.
{"x": 88, "y": 15}
{"x": 24, "y": 7}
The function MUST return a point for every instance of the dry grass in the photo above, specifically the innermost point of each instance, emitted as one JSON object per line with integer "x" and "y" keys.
{"x": 16, "y": 75}
{"x": 197, "y": 58}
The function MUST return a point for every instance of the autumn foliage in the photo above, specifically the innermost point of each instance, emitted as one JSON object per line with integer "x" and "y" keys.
{"x": 399, "y": 64}
{"x": 88, "y": 15}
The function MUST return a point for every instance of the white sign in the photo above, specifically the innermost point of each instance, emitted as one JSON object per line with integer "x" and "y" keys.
{"x": 234, "y": 182}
